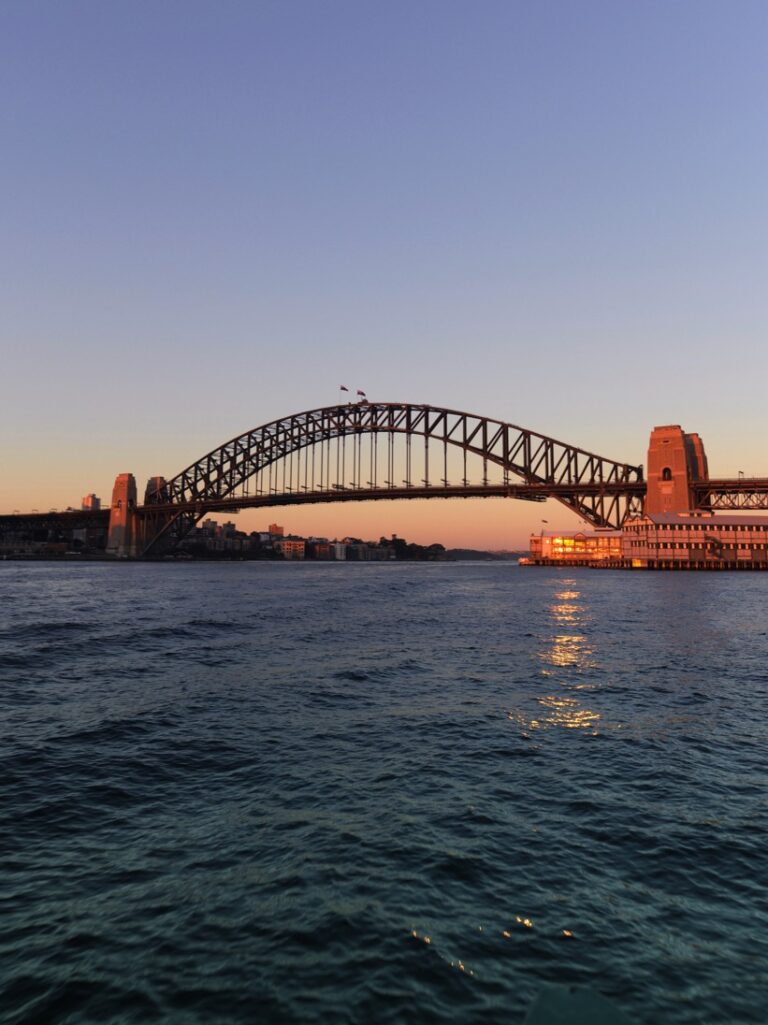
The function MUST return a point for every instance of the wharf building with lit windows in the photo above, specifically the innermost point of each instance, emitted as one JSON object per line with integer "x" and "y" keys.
{"x": 582, "y": 548}
{"x": 670, "y": 534}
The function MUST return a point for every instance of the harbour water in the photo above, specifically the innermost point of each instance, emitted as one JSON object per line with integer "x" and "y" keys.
{"x": 380, "y": 793}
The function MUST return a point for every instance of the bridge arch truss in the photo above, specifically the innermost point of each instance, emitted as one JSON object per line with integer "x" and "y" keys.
{"x": 370, "y": 451}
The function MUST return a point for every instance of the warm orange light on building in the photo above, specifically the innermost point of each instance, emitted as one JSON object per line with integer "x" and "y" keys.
{"x": 585, "y": 547}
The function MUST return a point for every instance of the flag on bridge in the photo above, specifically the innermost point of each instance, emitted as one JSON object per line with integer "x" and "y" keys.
{"x": 343, "y": 387}
{"x": 361, "y": 393}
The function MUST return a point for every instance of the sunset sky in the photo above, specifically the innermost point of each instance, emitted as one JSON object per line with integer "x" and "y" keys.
{"x": 213, "y": 214}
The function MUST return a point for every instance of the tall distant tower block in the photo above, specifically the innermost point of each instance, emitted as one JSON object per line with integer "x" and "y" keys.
{"x": 675, "y": 460}
{"x": 121, "y": 539}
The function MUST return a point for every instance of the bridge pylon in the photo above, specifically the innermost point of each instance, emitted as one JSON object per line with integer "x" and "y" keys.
{"x": 121, "y": 535}
{"x": 676, "y": 463}
{"x": 154, "y": 518}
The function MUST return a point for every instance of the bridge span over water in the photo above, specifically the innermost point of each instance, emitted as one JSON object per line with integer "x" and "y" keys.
{"x": 374, "y": 451}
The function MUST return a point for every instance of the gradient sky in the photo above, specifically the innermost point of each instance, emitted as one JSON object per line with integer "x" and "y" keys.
{"x": 213, "y": 214}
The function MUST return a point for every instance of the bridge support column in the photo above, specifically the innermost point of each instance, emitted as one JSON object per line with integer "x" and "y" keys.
{"x": 121, "y": 538}
{"x": 152, "y": 521}
{"x": 675, "y": 461}
{"x": 155, "y": 491}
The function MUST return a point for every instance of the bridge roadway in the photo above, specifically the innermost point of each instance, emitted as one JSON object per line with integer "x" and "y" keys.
{"x": 732, "y": 494}
{"x": 525, "y": 492}
{"x": 722, "y": 494}
{"x": 68, "y": 519}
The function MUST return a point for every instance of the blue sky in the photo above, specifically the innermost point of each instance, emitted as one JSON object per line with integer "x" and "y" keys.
{"x": 215, "y": 213}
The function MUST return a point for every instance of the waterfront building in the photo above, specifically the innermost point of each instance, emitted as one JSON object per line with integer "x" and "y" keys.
{"x": 357, "y": 551}
{"x": 91, "y": 502}
{"x": 696, "y": 540}
{"x": 291, "y": 548}
{"x": 582, "y": 548}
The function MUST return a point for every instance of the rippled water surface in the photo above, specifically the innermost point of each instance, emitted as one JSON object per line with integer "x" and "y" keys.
{"x": 380, "y": 793}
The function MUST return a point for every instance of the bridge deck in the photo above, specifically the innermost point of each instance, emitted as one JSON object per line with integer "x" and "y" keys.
{"x": 525, "y": 492}
{"x": 721, "y": 493}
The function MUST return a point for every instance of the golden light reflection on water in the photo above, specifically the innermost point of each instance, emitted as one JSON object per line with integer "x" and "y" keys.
{"x": 569, "y": 647}
{"x": 566, "y": 612}
{"x": 427, "y": 941}
{"x": 567, "y": 652}
{"x": 568, "y": 713}
{"x": 519, "y": 925}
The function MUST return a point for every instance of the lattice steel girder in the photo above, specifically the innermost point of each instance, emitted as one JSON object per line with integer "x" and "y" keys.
{"x": 549, "y": 461}
{"x": 535, "y": 458}
{"x": 741, "y": 494}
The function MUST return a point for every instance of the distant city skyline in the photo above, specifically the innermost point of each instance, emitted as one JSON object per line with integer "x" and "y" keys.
{"x": 214, "y": 215}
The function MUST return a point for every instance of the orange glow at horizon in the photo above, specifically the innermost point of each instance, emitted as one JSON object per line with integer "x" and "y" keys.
{"x": 483, "y": 523}
{"x": 54, "y": 479}
{"x": 492, "y": 523}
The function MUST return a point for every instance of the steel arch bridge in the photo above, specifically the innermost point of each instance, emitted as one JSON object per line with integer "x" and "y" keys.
{"x": 386, "y": 450}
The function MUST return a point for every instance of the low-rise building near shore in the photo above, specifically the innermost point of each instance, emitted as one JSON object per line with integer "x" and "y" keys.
{"x": 695, "y": 541}
{"x": 662, "y": 541}
{"x": 291, "y": 547}
{"x": 580, "y": 549}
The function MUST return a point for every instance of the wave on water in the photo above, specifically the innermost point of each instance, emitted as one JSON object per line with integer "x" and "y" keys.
{"x": 405, "y": 794}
